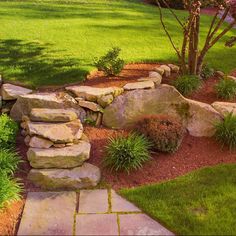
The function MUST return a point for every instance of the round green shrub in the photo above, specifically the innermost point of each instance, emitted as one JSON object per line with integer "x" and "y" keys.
{"x": 165, "y": 132}
{"x": 187, "y": 84}
{"x": 127, "y": 153}
{"x": 8, "y": 131}
{"x": 226, "y": 89}
{"x": 226, "y": 131}
{"x": 10, "y": 189}
{"x": 207, "y": 72}
{"x": 9, "y": 161}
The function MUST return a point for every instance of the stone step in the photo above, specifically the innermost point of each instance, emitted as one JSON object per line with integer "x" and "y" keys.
{"x": 71, "y": 179}
{"x": 52, "y": 115}
{"x": 66, "y": 157}
{"x": 57, "y": 132}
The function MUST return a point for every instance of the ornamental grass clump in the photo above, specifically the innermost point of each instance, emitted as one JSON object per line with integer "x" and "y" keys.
{"x": 127, "y": 153}
{"x": 226, "y": 89}
{"x": 226, "y": 131}
{"x": 165, "y": 132}
{"x": 187, "y": 84}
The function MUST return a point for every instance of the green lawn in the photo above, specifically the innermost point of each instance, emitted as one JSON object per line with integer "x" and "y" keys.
{"x": 52, "y": 42}
{"x": 200, "y": 203}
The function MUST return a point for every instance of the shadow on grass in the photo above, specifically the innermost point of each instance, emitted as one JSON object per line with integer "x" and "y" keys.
{"x": 35, "y": 64}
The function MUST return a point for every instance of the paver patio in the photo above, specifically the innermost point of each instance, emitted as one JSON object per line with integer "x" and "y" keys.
{"x": 88, "y": 212}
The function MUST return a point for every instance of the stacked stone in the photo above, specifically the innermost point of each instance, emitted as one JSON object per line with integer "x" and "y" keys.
{"x": 58, "y": 150}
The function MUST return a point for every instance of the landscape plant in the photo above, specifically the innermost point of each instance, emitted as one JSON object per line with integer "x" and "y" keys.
{"x": 226, "y": 131}
{"x": 186, "y": 84}
{"x": 127, "y": 153}
{"x": 165, "y": 132}
{"x": 207, "y": 71}
{"x": 191, "y": 57}
{"x": 226, "y": 88}
{"x": 110, "y": 63}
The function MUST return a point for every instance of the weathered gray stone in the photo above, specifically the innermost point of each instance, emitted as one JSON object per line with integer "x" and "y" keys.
{"x": 26, "y": 103}
{"x": 155, "y": 80}
{"x": 57, "y": 132}
{"x": 52, "y": 115}
{"x": 97, "y": 224}
{"x": 225, "y": 108}
{"x": 139, "y": 85}
{"x": 159, "y": 70}
{"x": 38, "y": 142}
{"x": 231, "y": 77}
{"x": 154, "y": 74}
{"x": 92, "y": 93}
{"x": 174, "y": 68}
{"x": 99, "y": 120}
{"x": 220, "y": 73}
{"x": 59, "y": 145}
{"x": 66, "y": 157}
{"x": 197, "y": 117}
{"x": 93, "y": 201}
{"x": 12, "y": 92}
{"x": 80, "y": 177}
{"x": 141, "y": 224}
{"x": 48, "y": 213}
{"x": 105, "y": 100}
{"x": 91, "y": 106}
{"x": 167, "y": 70}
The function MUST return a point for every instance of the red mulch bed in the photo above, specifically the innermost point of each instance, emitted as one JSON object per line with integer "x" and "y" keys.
{"x": 194, "y": 152}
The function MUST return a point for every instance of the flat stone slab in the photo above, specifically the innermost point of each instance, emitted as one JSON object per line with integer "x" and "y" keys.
{"x": 52, "y": 115}
{"x": 140, "y": 85}
{"x": 225, "y": 108}
{"x": 93, "y": 201}
{"x": 66, "y": 157}
{"x": 57, "y": 132}
{"x": 92, "y": 93}
{"x": 71, "y": 179}
{"x": 12, "y": 92}
{"x": 141, "y": 224}
{"x": 155, "y": 80}
{"x": 90, "y": 105}
{"x": 48, "y": 213}
{"x": 97, "y": 224}
{"x": 119, "y": 204}
{"x": 38, "y": 142}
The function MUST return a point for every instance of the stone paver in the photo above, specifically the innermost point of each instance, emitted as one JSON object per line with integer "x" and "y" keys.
{"x": 97, "y": 224}
{"x": 48, "y": 213}
{"x": 120, "y": 204}
{"x": 140, "y": 224}
{"x": 93, "y": 201}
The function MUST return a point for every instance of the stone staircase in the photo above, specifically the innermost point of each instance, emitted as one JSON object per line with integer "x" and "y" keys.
{"x": 58, "y": 150}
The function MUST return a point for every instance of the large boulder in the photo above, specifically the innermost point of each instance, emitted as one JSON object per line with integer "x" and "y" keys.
{"x": 71, "y": 179}
{"x": 225, "y": 108}
{"x": 165, "y": 99}
{"x": 52, "y": 115}
{"x": 67, "y": 157}
{"x": 12, "y": 92}
{"x": 26, "y": 103}
{"x": 57, "y": 132}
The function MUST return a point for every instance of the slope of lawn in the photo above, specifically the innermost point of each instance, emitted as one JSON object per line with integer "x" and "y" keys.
{"x": 53, "y": 42}
{"x": 200, "y": 203}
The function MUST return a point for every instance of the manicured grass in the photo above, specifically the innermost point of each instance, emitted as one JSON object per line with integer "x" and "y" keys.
{"x": 53, "y": 42}
{"x": 200, "y": 203}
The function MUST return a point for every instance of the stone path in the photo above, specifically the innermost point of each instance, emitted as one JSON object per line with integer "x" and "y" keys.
{"x": 88, "y": 212}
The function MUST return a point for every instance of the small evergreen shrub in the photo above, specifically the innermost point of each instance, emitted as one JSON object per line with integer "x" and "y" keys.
{"x": 207, "y": 72}
{"x": 10, "y": 189}
{"x": 110, "y": 63}
{"x": 226, "y": 131}
{"x": 9, "y": 161}
{"x": 226, "y": 89}
{"x": 187, "y": 84}
{"x": 165, "y": 132}
{"x": 127, "y": 153}
{"x": 8, "y": 131}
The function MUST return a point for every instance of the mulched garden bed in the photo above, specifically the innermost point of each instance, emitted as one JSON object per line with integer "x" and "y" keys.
{"x": 194, "y": 152}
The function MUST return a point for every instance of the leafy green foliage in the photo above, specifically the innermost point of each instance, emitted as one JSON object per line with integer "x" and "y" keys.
{"x": 110, "y": 63}
{"x": 8, "y": 131}
{"x": 9, "y": 161}
{"x": 226, "y": 131}
{"x": 10, "y": 189}
{"x": 187, "y": 84}
{"x": 226, "y": 89}
{"x": 207, "y": 71}
{"x": 165, "y": 132}
{"x": 127, "y": 153}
